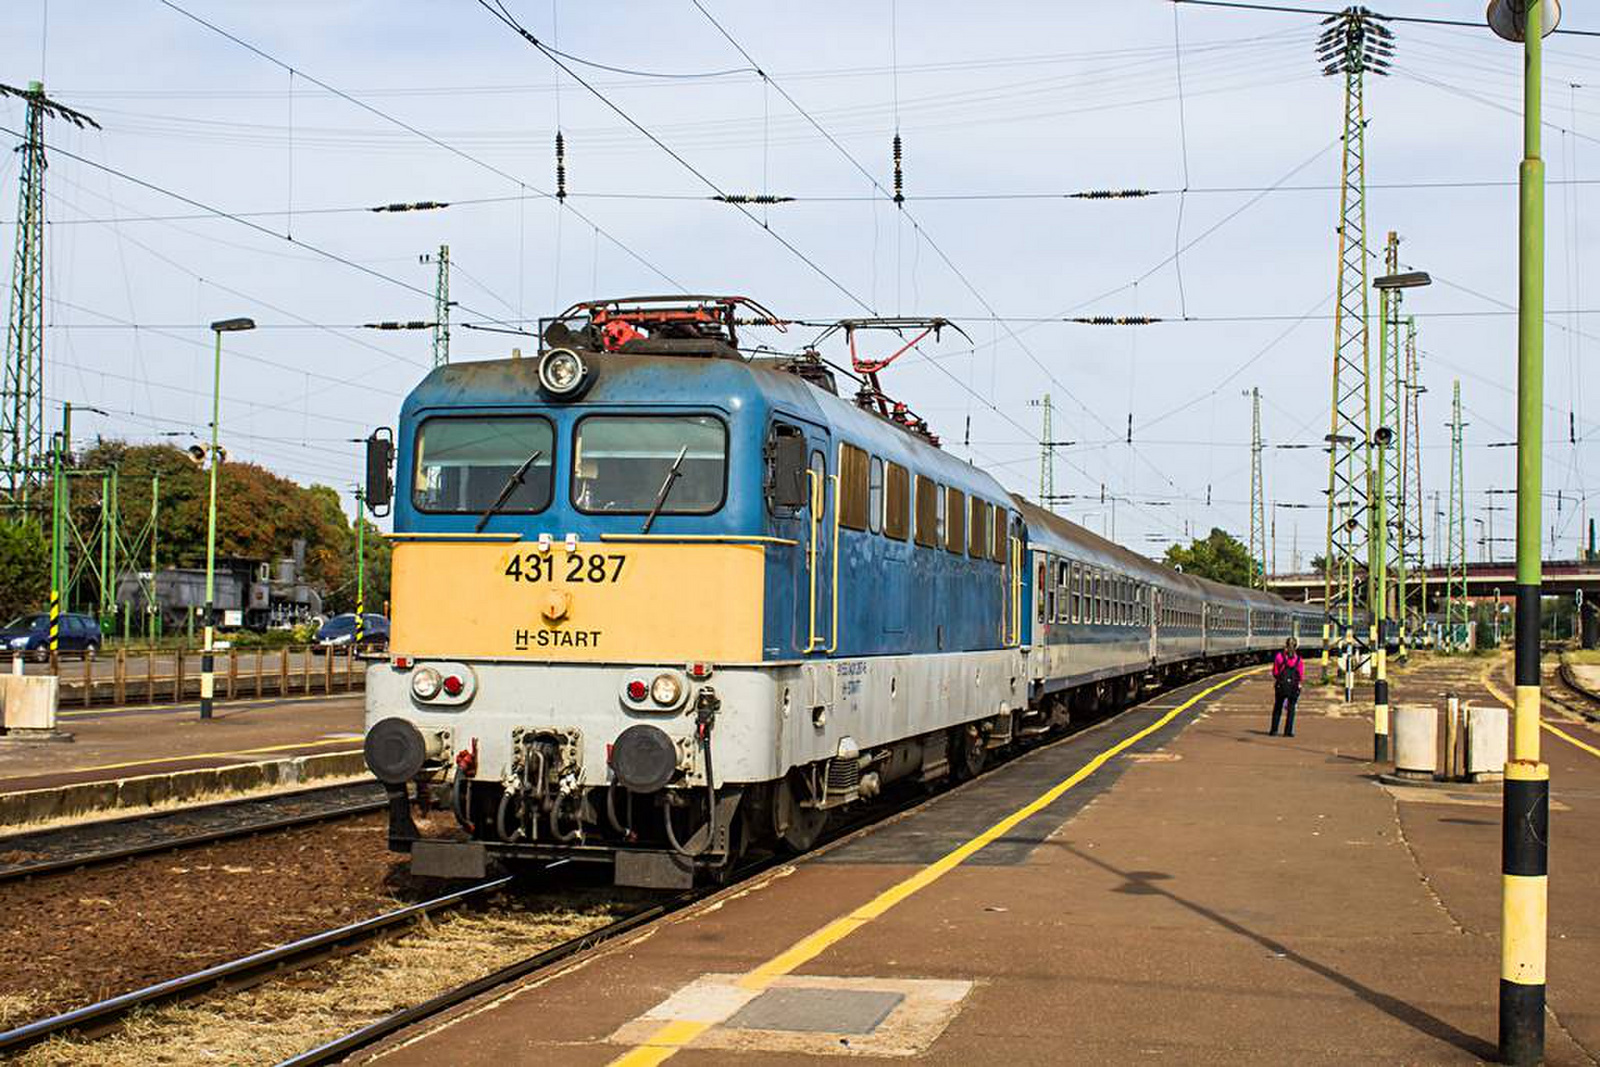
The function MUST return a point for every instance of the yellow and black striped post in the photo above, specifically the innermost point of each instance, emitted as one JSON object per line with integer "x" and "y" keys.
{"x": 1525, "y": 837}
{"x": 1524, "y": 866}
{"x": 55, "y": 620}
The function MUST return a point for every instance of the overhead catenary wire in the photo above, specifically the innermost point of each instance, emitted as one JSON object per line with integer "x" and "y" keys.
{"x": 408, "y": 127}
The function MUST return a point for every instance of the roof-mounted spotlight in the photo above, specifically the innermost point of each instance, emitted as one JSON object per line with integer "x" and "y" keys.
{"x": 563, "y": 373}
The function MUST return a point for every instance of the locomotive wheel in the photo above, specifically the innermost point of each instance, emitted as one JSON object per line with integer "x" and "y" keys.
{"x": 797, "y": 827}
{"x": 968, "y": 752}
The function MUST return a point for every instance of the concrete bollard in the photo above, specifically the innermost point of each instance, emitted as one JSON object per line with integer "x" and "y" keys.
{"x": 1416, "y": 740}
{"x": 1486, "y": 743}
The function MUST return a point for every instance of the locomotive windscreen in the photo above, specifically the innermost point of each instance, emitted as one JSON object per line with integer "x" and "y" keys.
{"x": 463, "y": 463}
{"x": 621, "y": 462}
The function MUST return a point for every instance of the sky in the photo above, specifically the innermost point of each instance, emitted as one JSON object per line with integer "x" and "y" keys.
{"x": 315, "y": 111}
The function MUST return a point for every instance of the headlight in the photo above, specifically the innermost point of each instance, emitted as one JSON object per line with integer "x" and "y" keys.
{"x": 561, "y": 371}
{"x": 666, "y": 690}
{"x": 425, "y": 683}
{"x": 19, "y": 642}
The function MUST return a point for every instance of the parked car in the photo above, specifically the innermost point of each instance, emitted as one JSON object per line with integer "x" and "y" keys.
{"x": 341, "y": 630}
{"x": 31, "y": 633}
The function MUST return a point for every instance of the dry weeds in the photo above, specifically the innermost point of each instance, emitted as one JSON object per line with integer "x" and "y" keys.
{"x": 287, "y": 1015}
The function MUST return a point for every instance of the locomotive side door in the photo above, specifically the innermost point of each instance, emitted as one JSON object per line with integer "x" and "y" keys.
{"x": 822, "y": 571}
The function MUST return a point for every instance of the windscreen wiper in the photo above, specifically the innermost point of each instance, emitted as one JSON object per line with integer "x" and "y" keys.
{"x": 512, "y": 482}
{"x": 673, "y": 475}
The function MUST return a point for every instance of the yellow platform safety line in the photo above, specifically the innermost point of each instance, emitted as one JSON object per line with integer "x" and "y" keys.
{"x": 1500, "y": 695}
{"x": 673, "y": 1036}
{"x": 196, "y": 756}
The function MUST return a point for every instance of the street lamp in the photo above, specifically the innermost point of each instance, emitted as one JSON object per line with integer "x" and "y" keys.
{"x": 208, "y": 675}
{"x": 1382, "y": 437}
{"x": 1524, "y": 856}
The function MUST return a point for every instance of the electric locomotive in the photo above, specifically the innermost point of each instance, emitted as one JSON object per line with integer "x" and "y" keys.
{"x": 653, "y": 601}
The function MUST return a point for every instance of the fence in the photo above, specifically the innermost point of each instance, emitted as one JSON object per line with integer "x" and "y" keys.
{"x": 166, "y": 675}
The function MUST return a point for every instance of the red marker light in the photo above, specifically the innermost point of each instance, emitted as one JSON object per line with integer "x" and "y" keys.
{"x": 401, "y": 663}
{"x": 699, "y": 671}
{"x": 453, "y": 685}
{"x": 637, "y": 690}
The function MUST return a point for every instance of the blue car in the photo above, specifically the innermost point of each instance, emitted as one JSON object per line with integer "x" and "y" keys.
{"x": 31, "y": 633}
{"x": 341, "y": 630}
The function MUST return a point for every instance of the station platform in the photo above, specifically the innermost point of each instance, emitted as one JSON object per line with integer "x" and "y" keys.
{"x": 143, "y": 744}
{"x": 1174, "y": 885}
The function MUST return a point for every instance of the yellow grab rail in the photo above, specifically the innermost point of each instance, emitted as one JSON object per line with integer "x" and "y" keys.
{"x": 833, "y": 639}
{"x": 811, "y": 561}
{"x": 730, "y": 539}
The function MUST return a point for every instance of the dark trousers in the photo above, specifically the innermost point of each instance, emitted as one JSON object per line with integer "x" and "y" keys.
{"x": 1286, "y": 697}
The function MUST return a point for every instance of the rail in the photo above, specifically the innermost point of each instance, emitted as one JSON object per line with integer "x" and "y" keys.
{"x": 97, "y": 1016}
{"x": 110, "y": 840}
{"x": 125, "y": 676}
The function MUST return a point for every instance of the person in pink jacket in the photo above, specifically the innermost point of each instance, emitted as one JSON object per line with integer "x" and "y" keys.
{"x": 1288, "y": 675}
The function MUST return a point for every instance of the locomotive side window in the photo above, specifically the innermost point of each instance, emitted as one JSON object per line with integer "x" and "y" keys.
{"x": 852, "y": 487}
{"x": 956, "y": 522}
{"x": 464, "y": 463}
{"x": 897, "y": 503}
{"x": 978, "y": 529}
{"x": 998, "y": 551}
{"x": 875, "y": 495}
{"x": 928, "y": 500}
{"x": 622, "y": 464}
{"x": 786, "y": 469}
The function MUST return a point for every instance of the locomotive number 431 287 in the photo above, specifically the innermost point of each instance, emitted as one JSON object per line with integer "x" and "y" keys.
{"x": 577, "y": 567}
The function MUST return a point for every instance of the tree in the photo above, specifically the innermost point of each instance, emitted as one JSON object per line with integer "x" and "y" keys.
{"x": 260, "y": 516}
{"x": 1219, "y": 556}
{"x": 24, "y": 569}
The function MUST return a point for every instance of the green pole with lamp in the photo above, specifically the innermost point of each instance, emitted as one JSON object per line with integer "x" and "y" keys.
{"x": 1388, "y": 288}
{"x": 208, "y": 674}
{"x": 1525, "y": 837}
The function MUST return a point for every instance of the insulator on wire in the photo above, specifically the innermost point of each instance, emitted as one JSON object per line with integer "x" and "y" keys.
{"x": 1116, "y": 320}
{"x": 412, "y": 325}
{"x": 752, "y": 198}
{"x": 561, "y": 168}
{"x": 899, "y": 176}
{"x": 420, "y": 205}
{"x": 1110, "y": 194}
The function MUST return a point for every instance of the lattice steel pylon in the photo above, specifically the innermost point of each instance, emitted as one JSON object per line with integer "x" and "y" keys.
{"x": 1389, "y": 476}
{"x": 441, "y": 306}
{"x": 1455, "y": 583}
{"x": 22, "y": 391}
{"x": 1047, "y": 458}
{"x": 1413, "y": 591}
{"x": 1353, "y": 44}
{"x": 1258, "y": 506}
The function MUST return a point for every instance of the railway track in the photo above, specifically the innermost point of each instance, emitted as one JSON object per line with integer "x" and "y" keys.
{"x": 43, "y": 852}
{"x": 95, "y": 1019}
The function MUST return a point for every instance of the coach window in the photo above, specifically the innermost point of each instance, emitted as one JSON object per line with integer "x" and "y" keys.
{"x": 1048, "y": 589}
{"x": 1075, "y": 579}
{"x": 897, "y": 502}
{"x": 928, "y": 499}
{"x": 1099, "y": 596}
{"x": 875, "y": 495}
{"x": 463, "y": 464}
{"x": 1063, "y": 592}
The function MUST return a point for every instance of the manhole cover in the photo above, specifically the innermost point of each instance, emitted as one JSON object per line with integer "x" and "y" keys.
{"x": 832, "y": 1011}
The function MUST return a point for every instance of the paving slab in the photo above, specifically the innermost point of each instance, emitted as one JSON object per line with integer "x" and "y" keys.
{"x": 110, "y": 745}
{"x": 1220, "y": 896}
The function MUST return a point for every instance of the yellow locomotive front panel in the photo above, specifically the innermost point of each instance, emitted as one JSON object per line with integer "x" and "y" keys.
{"x": 592, "y": 602}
